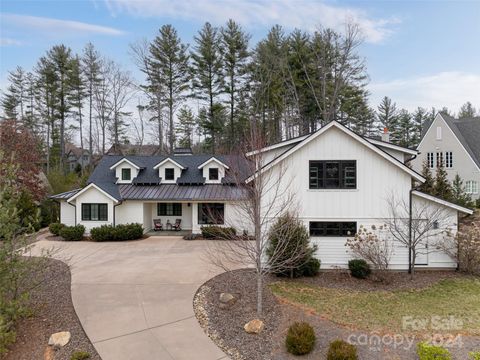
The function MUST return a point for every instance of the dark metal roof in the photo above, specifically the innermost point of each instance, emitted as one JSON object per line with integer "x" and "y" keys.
{"x": 65, "y": 195}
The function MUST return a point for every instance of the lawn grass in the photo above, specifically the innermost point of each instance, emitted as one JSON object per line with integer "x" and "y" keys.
{"x": 383, "y": 311}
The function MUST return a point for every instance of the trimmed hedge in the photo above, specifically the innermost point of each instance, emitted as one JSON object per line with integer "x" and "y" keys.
{"x": 55, "y": 228}
{"x": 341, "y": 350}
{"x": 311, "y": 267}
{"x": 300, "y": 338}
{"x": 431, "y": 352}
{"x": 120, "y": 232}
{"x": 359, "y": 268}
{"x": 80, "y": 355}
{"x": 218, "y": 232}
{"x": 72, "y": 233}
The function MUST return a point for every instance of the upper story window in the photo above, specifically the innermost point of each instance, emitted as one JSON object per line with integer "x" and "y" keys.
{"x": 126, "y": 174}
{"x": 332, "y": 228}
{"x": 471, "y": 187}
{"x": 439, "y": 133}
{"x": 449, "y": 159}
{"x": 94, "y": 212}
{"x": 440, "y": 159}
{"x": 213, "y": 174}
{"x": 169, "y": 174}
{"x": 430, "y": 160}
{"x": 333, "y": 174}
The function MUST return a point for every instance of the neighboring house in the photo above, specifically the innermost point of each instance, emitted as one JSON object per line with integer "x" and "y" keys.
{"x": 340, "y": 181}
{"x": 455, "y": 143}
{"x": 76, "y": 157}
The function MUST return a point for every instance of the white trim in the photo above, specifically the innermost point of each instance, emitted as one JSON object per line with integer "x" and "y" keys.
{"x": 442, "y": 202}
{"x": 348, "y": 132}
{"x": 168, "y": 160}
{"x": 124, "y": 160}
{"x": 278, "y": 145}
{"x": 88, "y": 187}
{"x": 213, "y": 158}
{"x": 393, "y": 146}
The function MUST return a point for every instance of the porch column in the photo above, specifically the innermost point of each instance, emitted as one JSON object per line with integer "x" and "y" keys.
{"x": 195, "y": 225}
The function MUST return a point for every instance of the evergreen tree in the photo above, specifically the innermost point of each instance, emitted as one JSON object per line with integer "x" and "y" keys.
{"x": 387, "y": 117}
{"x": 442, "y": 187}
{"x": 420, "y": 119}
{"x": 467, "y": 111}
{"x": 78, "y": 94}
{"x": 234, "y": 47}
{"x": 13, "y": 101}
{"x": 207, "y": 72}
{"x": 186, "y": 127}
{"x": 429, "y": 184}
{"x": 169, "y": 62}
{"x": 459, "y": 196}
{"x": 405, "y": 128}
{"x": 213, "y": 126}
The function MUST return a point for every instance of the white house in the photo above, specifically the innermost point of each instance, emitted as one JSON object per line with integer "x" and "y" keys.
{"x": 339, "y": 181}
{"x": 455, "y": 145}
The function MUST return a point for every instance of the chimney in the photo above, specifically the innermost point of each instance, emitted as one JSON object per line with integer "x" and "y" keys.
{"x": 385, "y": 135}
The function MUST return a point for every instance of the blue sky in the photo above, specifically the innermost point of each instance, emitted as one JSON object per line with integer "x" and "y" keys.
{"x": 419, "y": 53}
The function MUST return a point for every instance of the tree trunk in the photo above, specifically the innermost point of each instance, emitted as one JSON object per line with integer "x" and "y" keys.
{"x": 232, "y": 101}
{"x": 90, "y": 139}
{"x": 259, "y": 293}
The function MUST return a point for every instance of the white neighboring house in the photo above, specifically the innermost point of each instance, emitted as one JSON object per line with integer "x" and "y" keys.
{"x": 455, "y": 143}
{"x": 340, "y": 181}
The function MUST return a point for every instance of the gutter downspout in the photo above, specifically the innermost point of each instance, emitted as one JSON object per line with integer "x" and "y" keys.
{"x": 114, "y": 206}
{"x": 410, "y": 231}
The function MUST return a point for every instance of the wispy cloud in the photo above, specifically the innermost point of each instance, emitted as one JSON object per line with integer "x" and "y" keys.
{"x": 450, "y": 89}
{"x": 306, "y": 14}
{"x": 56, "y": 25}
{"x": 9, "y": 42}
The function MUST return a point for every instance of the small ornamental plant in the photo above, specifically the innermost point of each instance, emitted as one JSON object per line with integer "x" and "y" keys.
{"x": 359, "y": 268}
{"x": 300, "y": 338}
{"x": 341, "y": 350}
{"x": 426, "y": 351}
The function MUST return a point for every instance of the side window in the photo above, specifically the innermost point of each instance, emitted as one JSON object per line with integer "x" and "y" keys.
{"x": 213, "y": 174}
{"x": 430, "y": 160}
{"x": 330, "y": 228}
{"x": 169, "y": 174}
{"x": 126, "y": 174}
{"x": 440, "y": 159}
{"x": 449, "y": 159}
{"x": 339, "y": 174}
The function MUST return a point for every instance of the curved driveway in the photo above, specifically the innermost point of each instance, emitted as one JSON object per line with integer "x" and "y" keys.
{"x": 134, "y": 299}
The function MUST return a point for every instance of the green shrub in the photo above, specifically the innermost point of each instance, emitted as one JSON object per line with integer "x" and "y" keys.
{"x": 359, "y": 268}
{"x": 300, "y": 338}
{"x": 311, "y": 267}
{"x": 474, "y": 355}
{"x": 28, "y": 212}
{"x": 72, "y": 233}
{"x": 80, "y": 355}
{"x": 341, "y": 350}
{"x": 218, "y": 232}
{"x": 431, "y": 352}
{"x": 120, "y": 232}
{"x": 48, "y": 212}
{"x": 7, "y": 329}
{"x": 55, "y": 228}
{"x": 289, "y": 247}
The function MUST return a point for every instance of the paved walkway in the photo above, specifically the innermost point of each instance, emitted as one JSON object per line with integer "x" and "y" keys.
{"x": 134, "y": 299}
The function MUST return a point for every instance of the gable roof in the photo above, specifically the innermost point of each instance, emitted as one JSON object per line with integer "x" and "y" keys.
{"x": 127, "y": 161}
{"x": 99, "y": 188}
{"x": 442, "y": 202}
{"x": 169, "y": 160}
{"x": 466, "y": 130}
{"x": 346, "y": 130}
{"x": 213, "y": 158}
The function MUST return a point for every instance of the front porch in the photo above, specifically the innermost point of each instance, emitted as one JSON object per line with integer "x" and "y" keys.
{"x": 181, "y": 233}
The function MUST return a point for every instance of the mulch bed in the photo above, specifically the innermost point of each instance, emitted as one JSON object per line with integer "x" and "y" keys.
{"x": 225, "y": 326}
{"x": 53, "y": 311}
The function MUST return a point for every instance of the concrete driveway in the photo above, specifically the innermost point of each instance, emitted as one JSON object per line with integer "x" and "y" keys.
{"x": 134, "y": 299}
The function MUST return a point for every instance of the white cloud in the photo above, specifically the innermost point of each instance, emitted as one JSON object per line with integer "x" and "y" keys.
{"x": 450, "y": 89}
{"x": 9, "y": 42}
{"x": 57, "y": 26}
{"x": 307, "y": 14}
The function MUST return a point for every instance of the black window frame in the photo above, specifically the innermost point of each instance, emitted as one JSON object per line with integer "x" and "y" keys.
{"x": 102, "y": 211}
{"x": 129, "y": 174}
{"x": 332, "y": 228}
{"x": 318, "y": 175}
{"x": 169, "y": 209}
{"x": 207, "y": 210}
{"x": 171, "y": 172}
{"x": 216, "y": 174}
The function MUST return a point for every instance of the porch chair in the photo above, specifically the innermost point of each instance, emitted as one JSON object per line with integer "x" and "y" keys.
{"x": 177, "y": 226}
{"x": 157, "y": 225}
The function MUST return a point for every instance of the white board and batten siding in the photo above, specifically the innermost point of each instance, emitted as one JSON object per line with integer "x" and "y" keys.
{"x": 93, "y": 196}
{"x": 67, "y": 213}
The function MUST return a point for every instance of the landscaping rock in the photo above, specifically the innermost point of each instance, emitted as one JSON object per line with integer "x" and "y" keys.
{"x": 227, "y": 298}
{"x": 59, "y": 339}
{"x": 254, "y": 327}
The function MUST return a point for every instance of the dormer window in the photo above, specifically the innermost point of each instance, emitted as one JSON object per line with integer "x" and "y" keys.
{"x": 213, "y": 174}
{"x": 126, "y": 174}
{"x": 169, "y": 174}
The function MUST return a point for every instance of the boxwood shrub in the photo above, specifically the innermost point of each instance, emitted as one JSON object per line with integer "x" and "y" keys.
{"x": 72, "y": 233}
{"x": 341, "y": 350}
{"x": 431, "y": 352}
{"x": 117, "y": 233}
{"x": 300, "y": 338}
{"x": 218, "y": 232}
{"x": 359, "y": 268}
{"x": 55, "y": 228}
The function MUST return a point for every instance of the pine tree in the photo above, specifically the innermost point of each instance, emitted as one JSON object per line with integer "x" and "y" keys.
{"x": 429, "y": 184}
{"x": 404, "y": 129}
{"x": 442, "y": 187}
{"x": 78, "y": 94}
{"x": 207, "y": 72}
{"x": 467, "y": 110}
{"x": 169, "y": 61}
{"x": 387, "y": 117}
{"x": 459, "y": 196}
{"x": 213, "y": 126}
{"x": 420, "y": 118}
{"x": 13, "y": 101}
{"x": 186, "y": 127}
